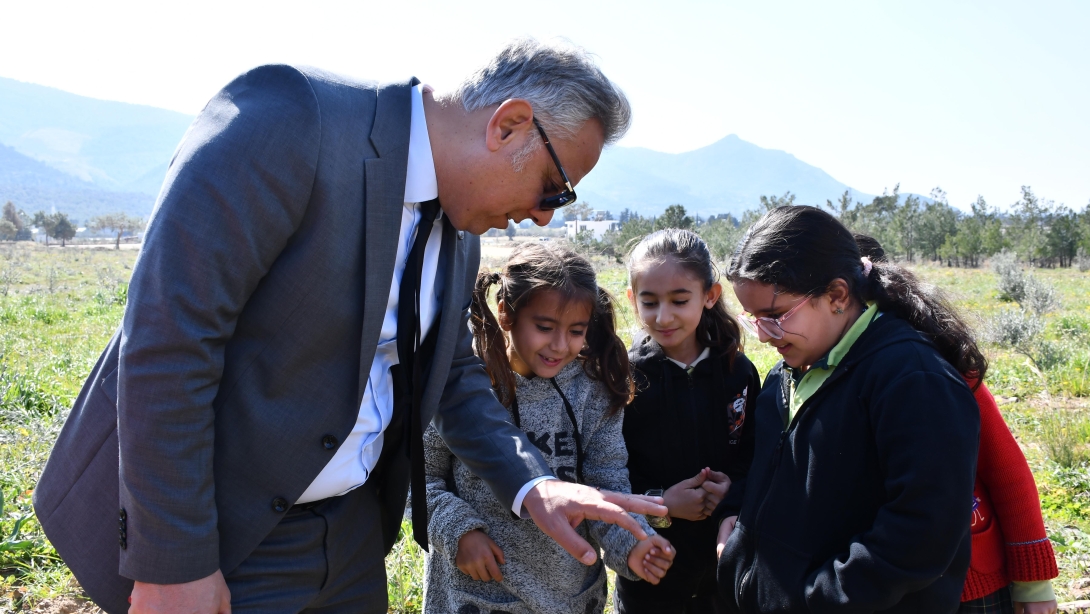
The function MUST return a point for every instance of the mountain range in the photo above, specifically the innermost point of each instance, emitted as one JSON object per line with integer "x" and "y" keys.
{"x": 84, "y": 156}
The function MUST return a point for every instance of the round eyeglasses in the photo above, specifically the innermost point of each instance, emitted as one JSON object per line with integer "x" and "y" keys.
{"x": 773, "y": 327}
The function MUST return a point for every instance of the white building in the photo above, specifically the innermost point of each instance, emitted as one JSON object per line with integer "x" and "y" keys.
{"x": 574, "y": 227}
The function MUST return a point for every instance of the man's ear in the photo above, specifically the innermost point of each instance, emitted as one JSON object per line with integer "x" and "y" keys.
{"x": 713, "y": 295}
{"x": 510, "y": 123}
{"x": 505, "y": 319}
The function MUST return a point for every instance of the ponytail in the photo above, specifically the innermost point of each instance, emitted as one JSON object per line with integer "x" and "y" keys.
{"x": 490, "y": 344}
{"x": 605, "y": 356}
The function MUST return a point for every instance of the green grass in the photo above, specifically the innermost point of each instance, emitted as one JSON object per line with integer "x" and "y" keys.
{"x": 58, "y": 308}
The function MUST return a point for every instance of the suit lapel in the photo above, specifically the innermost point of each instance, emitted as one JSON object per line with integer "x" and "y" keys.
{"x": 452, "y": 258}
{"x": 384, "y": 194}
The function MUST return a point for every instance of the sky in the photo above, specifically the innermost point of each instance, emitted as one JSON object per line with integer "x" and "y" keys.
{"x": 978, "y": 98}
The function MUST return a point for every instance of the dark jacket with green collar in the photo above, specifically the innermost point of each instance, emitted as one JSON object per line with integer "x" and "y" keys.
{"x": 679, "y": 423}
{"x": 863, "y": 503}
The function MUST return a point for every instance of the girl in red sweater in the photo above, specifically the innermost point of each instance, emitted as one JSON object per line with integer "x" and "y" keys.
{"x": 1012, "y": 560}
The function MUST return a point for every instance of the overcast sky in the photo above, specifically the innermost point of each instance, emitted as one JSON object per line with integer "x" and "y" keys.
{"x": 975, "y": 97}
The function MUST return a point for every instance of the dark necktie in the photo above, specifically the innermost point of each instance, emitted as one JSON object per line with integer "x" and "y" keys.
{"x": 408, "y": 340}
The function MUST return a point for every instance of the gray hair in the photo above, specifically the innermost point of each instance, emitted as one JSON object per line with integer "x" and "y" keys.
{"x": 560, "y": 81}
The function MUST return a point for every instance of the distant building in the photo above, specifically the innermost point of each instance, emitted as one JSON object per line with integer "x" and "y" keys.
{"x": 599, "y": 228}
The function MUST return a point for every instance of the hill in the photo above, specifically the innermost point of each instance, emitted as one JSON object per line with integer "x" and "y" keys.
{"x": 728, "y": 176}
{"x": 113, "y": 146}
{"x": 35, "y": 186}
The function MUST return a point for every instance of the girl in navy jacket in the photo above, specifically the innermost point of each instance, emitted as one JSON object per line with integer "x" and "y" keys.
{"x": 862, "y": 482}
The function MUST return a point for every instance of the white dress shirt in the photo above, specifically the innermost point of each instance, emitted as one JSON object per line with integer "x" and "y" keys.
{"x": 352, "y": 463}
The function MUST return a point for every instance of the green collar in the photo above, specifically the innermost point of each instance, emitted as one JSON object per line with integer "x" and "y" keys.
{"x": 803, "y": 387}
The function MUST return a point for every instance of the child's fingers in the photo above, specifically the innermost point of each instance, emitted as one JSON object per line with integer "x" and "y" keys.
{"x": 492, "y": 569}
{"x": 718, "y": 477}
{"x": 497, "y": 552}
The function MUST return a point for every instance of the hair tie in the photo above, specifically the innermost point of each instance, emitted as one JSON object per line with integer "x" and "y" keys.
{"x": 496, "y": 278}
{"x": 867, "y": 264}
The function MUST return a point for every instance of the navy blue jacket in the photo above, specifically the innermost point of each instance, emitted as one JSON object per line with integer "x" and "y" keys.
{"x": 678, "y": 424}
{"x": 863, "y": 503}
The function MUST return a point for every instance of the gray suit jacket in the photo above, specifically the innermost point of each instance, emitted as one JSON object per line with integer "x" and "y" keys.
{"x": 254, "y": 313}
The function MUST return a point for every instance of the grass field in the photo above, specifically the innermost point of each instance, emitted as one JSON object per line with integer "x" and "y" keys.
{"x": 58, "y": 307}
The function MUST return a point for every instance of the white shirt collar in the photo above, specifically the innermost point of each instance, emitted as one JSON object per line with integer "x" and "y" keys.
{"x": 420, "y": 182}
{"x": 702, "y": 356}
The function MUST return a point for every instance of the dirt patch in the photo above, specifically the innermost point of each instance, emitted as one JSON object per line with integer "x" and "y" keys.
{"x": 66, "y": 605}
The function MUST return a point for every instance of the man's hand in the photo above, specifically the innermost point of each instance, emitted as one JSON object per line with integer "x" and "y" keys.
{"x": 205, "y": 596}
{"x": 1035, "y": 607}
{"x": 717, "y": 485}
{"x": 651, "y": 558}
{"x": 558, "y": 507}
{"x": 687, "y": 498}
{"x": 725, "y": 529}
{"x": 479, "y": 557}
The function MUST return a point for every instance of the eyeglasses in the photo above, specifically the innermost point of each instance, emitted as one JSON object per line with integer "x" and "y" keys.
{"x": 567, "y": 197}
{"x": 773, "y": 327}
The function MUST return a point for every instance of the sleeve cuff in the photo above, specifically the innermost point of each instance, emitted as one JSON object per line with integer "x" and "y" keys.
{"x": 516, "y": 507}
{"x": 1030, "y": 592}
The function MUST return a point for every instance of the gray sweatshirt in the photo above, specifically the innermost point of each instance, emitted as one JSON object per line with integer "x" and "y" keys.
{"x": 539, "y": 576}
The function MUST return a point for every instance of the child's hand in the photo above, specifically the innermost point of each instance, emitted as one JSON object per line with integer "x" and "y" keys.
{"x": 716, "y": 486}
{"x": 1035, "y": 607}
{"x": 725, "y": 529}
{"x": 687, "y": 498}
{"x": 478, "y": 556}
{"x": 649, "y": 559}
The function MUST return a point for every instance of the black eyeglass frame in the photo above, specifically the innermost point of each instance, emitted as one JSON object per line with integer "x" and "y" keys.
{"x": 564, "y": 198}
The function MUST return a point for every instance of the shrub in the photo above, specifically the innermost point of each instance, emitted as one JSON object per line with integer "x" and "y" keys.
{"x": 1011, "y": 279}
{"x": 1040, "y": 296}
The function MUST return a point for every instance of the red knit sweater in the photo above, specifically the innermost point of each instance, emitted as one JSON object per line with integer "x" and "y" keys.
{"x": 1009, "y": 539}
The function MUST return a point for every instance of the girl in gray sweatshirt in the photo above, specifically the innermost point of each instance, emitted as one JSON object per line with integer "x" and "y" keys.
{"x": 557, "y": 364}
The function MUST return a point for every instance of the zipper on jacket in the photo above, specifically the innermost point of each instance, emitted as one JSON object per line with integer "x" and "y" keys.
{"x": 777, "y": 454}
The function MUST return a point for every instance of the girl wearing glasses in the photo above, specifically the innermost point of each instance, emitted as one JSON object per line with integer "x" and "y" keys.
{"x": 860, "y": 492}
{"x": 689, "y": 431}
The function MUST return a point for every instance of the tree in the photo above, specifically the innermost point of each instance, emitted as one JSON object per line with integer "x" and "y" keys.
{"x": 938, "y": 220}
{"x": 63, "y": 228}
{"x": 905, "y": 225}
{"x": 577, "y": 211}
{"x": 1063, "y": 236}
{"x": 47, "y": 222}
{"x": 510, "y": 230}
{"x": 630, "y": 233}
{"x": 8, "y": 231}
{"x": 772, "y": 202}
{"x": 674, "y": 217}
{"x": 118, "y": 224}
{"x": 12, "y": 216}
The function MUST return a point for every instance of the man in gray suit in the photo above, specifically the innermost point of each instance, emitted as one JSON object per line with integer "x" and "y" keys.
{"x": 246, "y": 439}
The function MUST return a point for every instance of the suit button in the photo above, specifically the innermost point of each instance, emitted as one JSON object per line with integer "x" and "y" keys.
{"x": 329, "y": 442}
{"x": 280, "y": 505}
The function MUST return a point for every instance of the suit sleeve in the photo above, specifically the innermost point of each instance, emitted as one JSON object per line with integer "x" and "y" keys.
{"x": 235, "y": 193}
{"x": 473, "y": 423}
{"x": 926, "y": 427}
